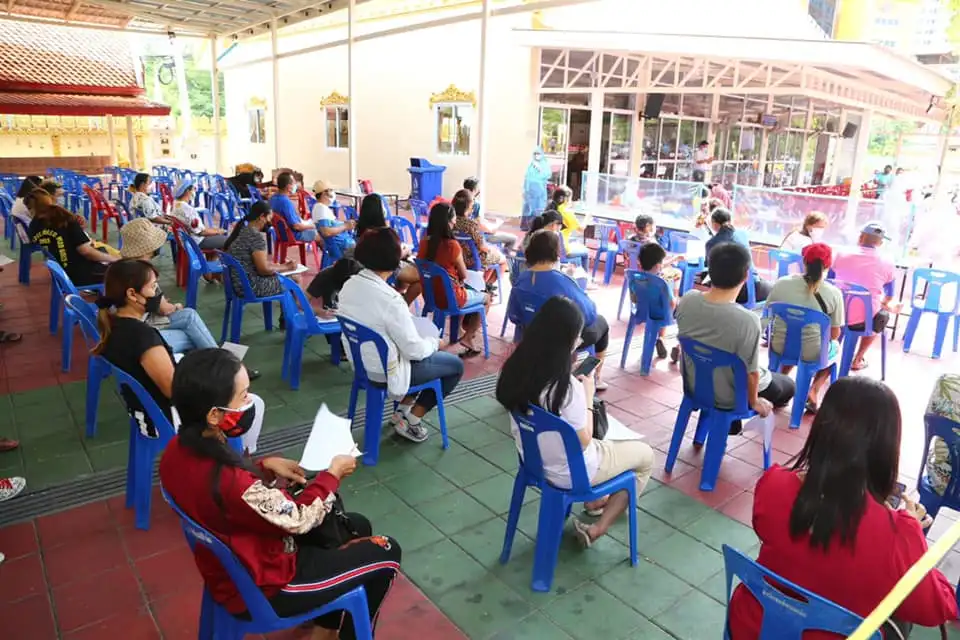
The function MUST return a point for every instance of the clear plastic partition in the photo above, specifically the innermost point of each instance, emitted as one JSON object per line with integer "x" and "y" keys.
{"x": 673, "y": 204}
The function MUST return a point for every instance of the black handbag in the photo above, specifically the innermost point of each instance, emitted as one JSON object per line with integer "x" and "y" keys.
{"x": 600, "y": 421}
{"x": 336, "y": 530}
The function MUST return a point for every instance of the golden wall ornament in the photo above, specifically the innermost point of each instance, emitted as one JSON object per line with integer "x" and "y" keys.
{"x": 453, "y": 95}
{"x": 335, "y": 100}
{"x": 55, "y": 141}
{"x": 257, "y": 103}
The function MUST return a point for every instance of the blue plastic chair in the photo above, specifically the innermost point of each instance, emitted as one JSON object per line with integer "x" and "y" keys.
{"x": 233, "y": 312}
{"x": 949, "y": 432}
{"x": 376, "y": 392}
{"x": 713, "y": 426}
{"x": 796, "y": 318}
{"x": 783, "y": 260}
{"x": 934, "y": 282}
{"x": 652, "y": 310}
{"x": 467, "y": 241}
{"x": 197, "y": 266}
{"x": 788, "y": 609}
{"x": 608, "y": 247}
{"x": 98, "y": 368}
{"x": 61, "y": 286}
{"x": 521, "y": 308}
{"x": 856, "y": 295}
{"x": 301, "y": 323}
{"x": 421, "y": 214}
{"x": 6, "y": 206}
{"x": 224, "y": 207}
{"x": 406, "y": 230}
{"x": 631, "y": 251}
{"x": 218, "y": 623}
{"x": 751, "y": 286}
{"x": 555, "y": 503}
{"x": 27, "y": 249}
{"x": 428, "y": 273}
{"x": 581, "y": 260}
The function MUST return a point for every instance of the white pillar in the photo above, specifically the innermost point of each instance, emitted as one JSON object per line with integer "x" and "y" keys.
{"x": 276, "y": 93}
{"x": 111, "y": 141}
{"x": 764, "y": 146}
{"x": 596, "y": 141}
{"x": 858, "y": 173}
{"x": 945, "y": 146}
{"x": 131, "y": 145}
{"x": 215, "y": 85}
{"x": 837, "y": 149}
{"x": 712, "y": 128}
{"x": 482, "y": 111}
{"x": 351, "y": 94}
{"x": 804, "y": 153}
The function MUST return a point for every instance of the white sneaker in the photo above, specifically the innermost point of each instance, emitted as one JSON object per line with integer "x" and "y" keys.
{"x": 2, "y": 558}
{"x": 413, "y": 432}
{"x": 601, "y": 385}
{"x": 11, "y": 487}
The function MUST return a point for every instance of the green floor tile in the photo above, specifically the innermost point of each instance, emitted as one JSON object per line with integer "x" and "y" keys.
{"x": 589, "y": 612}
{"x": 650, "y": 530}
{"x": 279, "y": 418}
{"x": 373, "y": 501}
{"x": 484, "y": 541}
{"x": 397, "y": 460}
{"x": 502, "y": 454}
{"x": 57, "y": 470}
{"x": 60, "y": 443}
{"x": 694, "y": 617}
{"x": 11, "y": 464}
{"x": 474, "y": 435}
{"x": 495, "y": 493}
{"x": 465, "y": 469}
{"x": 534, "y": 627}
{"x": 439, "y": 567}
{"x": 686, "y": 558}
{"x": 36, "y": 421}
{"x": 454, "y": 512}
{"x": 421, "y": 485}
{"x": 50, "y": 396}
{"x": 603, "y": 555}
{"x": 108, "y": 456}
{"x": 518, "y": 575}
{"x": 409, "y": 529}
{"x": 673, "y": 507}
{"x": 647, "y": 588}
{"x": 483, "y": 607}
{"x": 716, "y": 587}
{"x": 455, "y": 417}
{"x": 483, "y": 407}
{"x": 715, "y": 530}
{"x": 432, "y": 451}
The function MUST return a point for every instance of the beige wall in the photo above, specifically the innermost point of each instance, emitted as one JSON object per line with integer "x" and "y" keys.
{"x": 393, "y": 116}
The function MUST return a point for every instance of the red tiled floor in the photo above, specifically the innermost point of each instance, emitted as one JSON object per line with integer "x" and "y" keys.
{"x": 86, "y": 601}
{"x": 722, "y": 493}
{"x": 740, "y": 508}
{"x": 168, "y": 572}
{"x": 22, "y": 578}
{"x": 73, "y": 524}
{"x": 88, "y": 556}
{"x": 178, "y": 614}
{"x": 138, "y": 625}
{"x": 19, "y": 540}
{"x": 28, "y": 619}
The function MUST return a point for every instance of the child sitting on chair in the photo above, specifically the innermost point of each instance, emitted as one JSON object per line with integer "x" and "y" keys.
{"x": 652, "y": 257}
{"x": 646, "y": 233}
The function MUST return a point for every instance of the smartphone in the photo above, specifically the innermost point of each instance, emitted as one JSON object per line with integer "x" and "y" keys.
{"x": 296, "y": 489}
{"x": 897, "y": 497}
{"x": 586, "y": 367}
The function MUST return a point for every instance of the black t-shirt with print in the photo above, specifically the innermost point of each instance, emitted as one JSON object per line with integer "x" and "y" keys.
{"x": 129, "y": 340}
{"x": 62, "y": 245}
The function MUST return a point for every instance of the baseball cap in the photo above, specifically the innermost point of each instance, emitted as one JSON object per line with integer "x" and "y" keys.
{"x": 875, "y": 229}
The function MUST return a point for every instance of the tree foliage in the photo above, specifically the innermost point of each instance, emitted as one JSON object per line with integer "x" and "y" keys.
{"x": 199, "y": 85}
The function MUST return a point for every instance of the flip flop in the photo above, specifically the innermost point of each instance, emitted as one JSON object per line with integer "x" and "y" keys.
{"x": 7, "y": 336}
{"x": 859, "y": 365}
{"x": 468, "y": 351}
{"x": 583, "y": 534}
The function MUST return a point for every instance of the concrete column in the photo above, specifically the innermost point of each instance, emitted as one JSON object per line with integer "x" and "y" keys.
{"x": 483, "y": 114}
{"x": 837, "y": 149}
{"x": 215, "y": 84}
{"x": 132, "y": 145}
{"x": 351, "y": 96}
{"x": 276, "y": 93}
{"x": 111, "y": 141}
{"x": 596, "y": 139}
{"x": 804, "y": 154}
{"x": 764, "y": 146}
{"x": 860, "y": 169}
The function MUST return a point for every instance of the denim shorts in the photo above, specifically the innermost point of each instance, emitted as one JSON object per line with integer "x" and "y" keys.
{"x": 473, "y": 297}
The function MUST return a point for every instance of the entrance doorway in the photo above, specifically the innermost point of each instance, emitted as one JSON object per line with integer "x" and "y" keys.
{"x": 565, "y": 139}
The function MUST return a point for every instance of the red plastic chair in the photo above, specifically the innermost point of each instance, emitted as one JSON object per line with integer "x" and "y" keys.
{"x": 286, "y": 239}
{"x": 183, "y": 264}
{"x": 106, "y": 211}
{"x": 166, "y": 197}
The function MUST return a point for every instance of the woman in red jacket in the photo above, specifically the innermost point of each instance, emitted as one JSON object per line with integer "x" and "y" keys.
{"x": 824, "y": 523}
{"x": 302, "y": 551}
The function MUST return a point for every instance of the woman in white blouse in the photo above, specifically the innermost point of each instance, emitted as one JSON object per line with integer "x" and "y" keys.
{"x": 142, "y": 203}
{"x": 411, "y": 358}
{"x": 814, "y": 226}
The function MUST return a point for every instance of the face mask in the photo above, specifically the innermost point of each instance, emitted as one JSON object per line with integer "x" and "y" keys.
{"x": 152, "y": 304}
{"x": 294, "y": 188}
{"x": 237, "y": 422}
{"x": 816, "y": 234}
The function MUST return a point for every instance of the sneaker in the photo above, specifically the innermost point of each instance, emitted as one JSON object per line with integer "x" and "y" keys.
{"x": 661, "y": 349}
{"x": 11, "y": 487}
{"x": 2, "y": 558}
{"x": 675, "y": 354}
{"x": 413, "y": 432}
{"x": 601, "y": 385}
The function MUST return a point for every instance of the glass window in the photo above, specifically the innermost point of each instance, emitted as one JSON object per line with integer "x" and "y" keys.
{"x": 258, "y": 126}
{"x": 338, "y": 128}
{"x": 454, "y": 122}
{"x": 553, "y": 130}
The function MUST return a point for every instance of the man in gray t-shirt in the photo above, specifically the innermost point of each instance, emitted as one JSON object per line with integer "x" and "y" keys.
{"x": 715, "y": 319}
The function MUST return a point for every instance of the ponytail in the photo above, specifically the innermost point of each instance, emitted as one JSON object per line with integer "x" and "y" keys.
{"x": 258, "y": 210}
{"x": 104, "y": 325}
{"x": 723, "y": 218}
{"x": 813, "y": 274}
{"x": 234, "y": 233}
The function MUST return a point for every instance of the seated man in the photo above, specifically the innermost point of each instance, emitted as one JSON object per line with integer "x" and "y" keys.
{"x": 867, "y": 268}
{"x": 336, "y": 236}
{"x": 714, "y": 318}
{"x": 282, "y": 204}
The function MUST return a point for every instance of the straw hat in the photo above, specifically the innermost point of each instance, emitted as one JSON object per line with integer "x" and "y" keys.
{"x": 140, "y": 238}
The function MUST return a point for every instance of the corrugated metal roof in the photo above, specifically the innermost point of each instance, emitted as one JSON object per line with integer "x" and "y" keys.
{"x": 75, "y": 104}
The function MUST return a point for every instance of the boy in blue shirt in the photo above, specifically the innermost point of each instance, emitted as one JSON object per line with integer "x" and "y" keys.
{"x": 652, "y": 256}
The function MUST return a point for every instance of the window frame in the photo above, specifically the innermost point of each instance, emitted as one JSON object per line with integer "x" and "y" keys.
{"x": 455, "y": 106}
{"x": 258, "y": 115}
{"x": 339, "y": 109}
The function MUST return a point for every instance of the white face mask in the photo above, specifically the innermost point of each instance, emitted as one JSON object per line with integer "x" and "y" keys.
{"x": 294, "y": 188}
{"x": 816, "y": 234}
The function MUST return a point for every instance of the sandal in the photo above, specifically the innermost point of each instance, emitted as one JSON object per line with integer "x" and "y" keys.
{"x": 811, "y": 407}
{"x": 7, "y": 336}
{"x": 859, "y": 365}
{"x": 468, "y": 351}
{"x": 582, "y": 531}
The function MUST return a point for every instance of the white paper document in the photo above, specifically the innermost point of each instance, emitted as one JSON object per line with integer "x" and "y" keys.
{"x": 238, "y": 350}
{"x": 425, "y": 327}
{"x": 762, "y": 425}
{"x": 4, "y": 260}
{"x": 616, "y": 430}
{"x": 330, "y": 437}
{"x": 300, "y": 268}
{"x": 475, "y": 281}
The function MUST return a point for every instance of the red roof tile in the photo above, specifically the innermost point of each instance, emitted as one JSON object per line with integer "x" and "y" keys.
{"x": 66, "y": 104}
{"x": 48, "y": 57}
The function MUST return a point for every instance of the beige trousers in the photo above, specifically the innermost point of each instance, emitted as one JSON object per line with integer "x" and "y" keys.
{"x": 617, "y": 456}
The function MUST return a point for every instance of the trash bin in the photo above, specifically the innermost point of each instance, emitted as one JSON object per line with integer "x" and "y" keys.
{"x": 426, "y": 179}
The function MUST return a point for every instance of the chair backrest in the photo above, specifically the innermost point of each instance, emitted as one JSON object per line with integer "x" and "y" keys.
{"x": 357, "y": 335}
{"x": 165, "y": 430}
{"x": 706, "y": 360}
{"x": 224, "y": 206}
{"x": 22, "y": 230}
{"x": 284, "y": 233}
{"x": 233, "y": 272}
{"x": 949, "y": 432}
{"x": 60, "y": 279}
{"x": 349, "y": 212}
{"x": 788, "y": 609}
{"x": 522, "y": 307}
{"x": 255, "y": 194}
{"x": 796, "y": 318}
{"x": 783, "y": 260}
{"x": 536, "y": 421}
{"x": 935, "y": 281}
{"x": 857, "y": 296}
{"x": 430, "y": 273}
{"x": 467, "y": 241}
{"x": 406, "y": 230}
{"x": 680, "y": 239}
{"x": 420, "y": 210}
{"x": 631, "y": 249}
{"x": 86, "y": 314}
{"x": 608, "y": 235}
{"x": 652, "y": 297}
{"x": 297, "y": 303}
{"x": 188, "y": 245}
{"x": 257, "y": 604}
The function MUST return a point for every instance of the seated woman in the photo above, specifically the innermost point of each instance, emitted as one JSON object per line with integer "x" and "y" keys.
{"x": 139, "y": 350}
{"x": 60, "y": 234}
{"x": 561, "y": 204}
{"x": 490, "y": 256}
{"x": 20, "y": 209}
{"x": 411, "y": 359}
{"x": 185, "y": 214}
{"x": 291, "y": 543}
{"x": 810, "y": 290}
{"x": 539, "y": 373}
{"x": 812, "y": 230}
{"x": 142, "y": 204}
{"x": 181, "y": 328}
{"x": 944, "y": 402}
{"x": 722, "y": 230}
{"x": 824, "y": 522}
{"x": 372, "y": 215}
{"x": 442, "y": 249}
{"x": 247, "y": 244}
{"x": 543, "y": 279}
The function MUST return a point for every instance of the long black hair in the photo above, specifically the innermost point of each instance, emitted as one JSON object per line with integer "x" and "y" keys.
{"x": 851, "y": 455}
{"x": 723, "y": 218}
{"x": 202, "y": 381}
{"x": 438, "y": 227}
{"x": 258, "y": 209}
{"x": 543, "y": 360}
{"x": 29, "y": 184}
{"x": 371, "y": 214}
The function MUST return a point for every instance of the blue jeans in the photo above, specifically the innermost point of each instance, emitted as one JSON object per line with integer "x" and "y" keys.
{"x": 443, "y": 365}
{"x": 307, "y": 235}
{"x": 187, "y": 331}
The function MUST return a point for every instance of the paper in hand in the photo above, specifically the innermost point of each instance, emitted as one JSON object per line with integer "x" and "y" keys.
{"x": 425, "y": 327}
{"x": 474, "y": 280}
{"x": 330, "y": 437}
{"x": 762, "y": 425}
{"x": 238, "y": 350}
{"x": 616, "y": 430}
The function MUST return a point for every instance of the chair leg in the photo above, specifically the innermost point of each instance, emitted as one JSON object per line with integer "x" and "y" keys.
{"x": 631, "y": 323}
{"x": 804, "y": 380}
{"x": 651, "y": 332}
{"x": 883, "y": 355}
{"x": 849, "y": 348}
{"x": 912, "y": 323}
{"x": 632, "y": 522}
{"x": 486, "y": 338}
{"x": 268, "y": 316}
{"x": 373, "y": 425}
{"x": 236, "y": 322}
{"x": 144, "y": 484}
{"x": 54, "y": 308}
{"x": 513, "y": 516}
{"x": 227, "y": 311}
{"x": 441, "y": 414}
{"x": 503, "y": 329}
{"x": 94, "y": 378}
{"x": 679, "y": 427}
{"x": 298, "y": 343}
{"x": 716, "y": 447}
{"x": 66, "y": 340}
{"x": 623, "y": 295}
{"x": 352, "y": 406}
{"x": 943, "y": 321}
{"x": 549, "y": 532}
{"x": 131, "y": 495}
